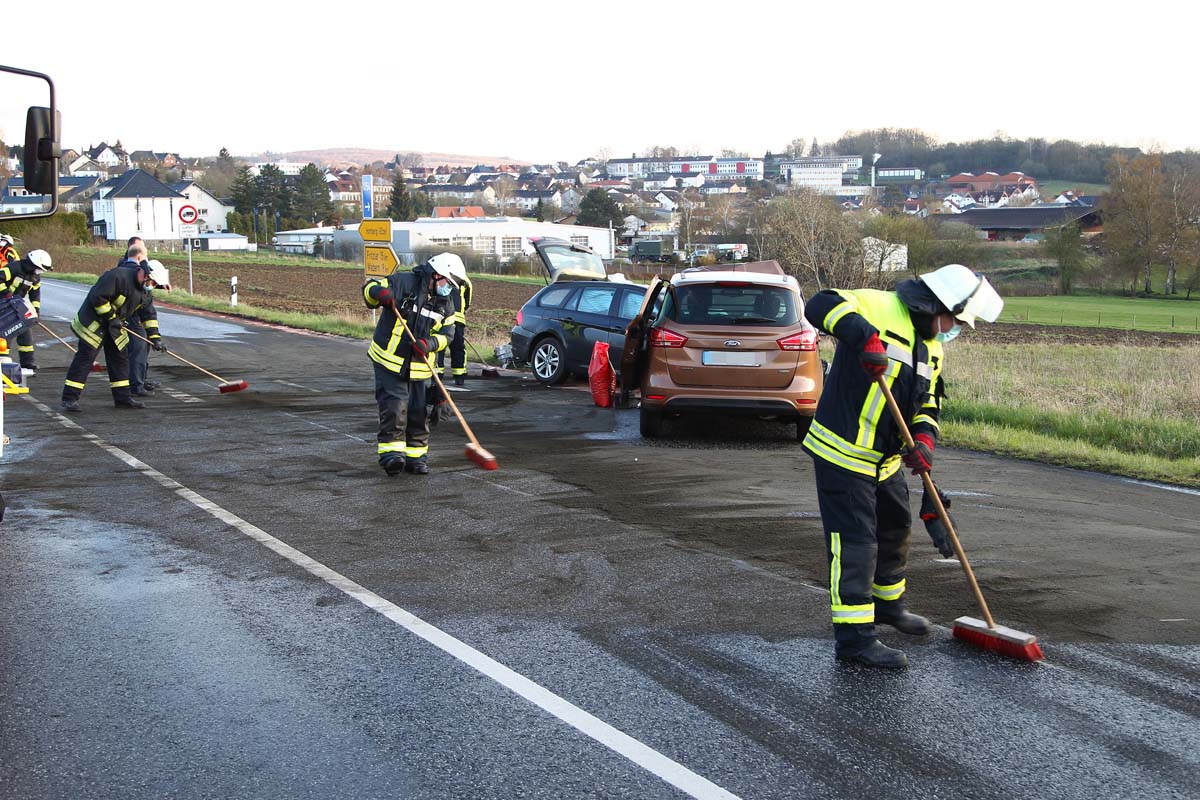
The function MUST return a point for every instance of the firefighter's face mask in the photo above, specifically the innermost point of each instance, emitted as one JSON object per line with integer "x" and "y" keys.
{"x": 444, "y": 288}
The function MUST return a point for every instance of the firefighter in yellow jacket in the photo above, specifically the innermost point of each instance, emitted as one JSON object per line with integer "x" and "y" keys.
{"x": 857, "y": 449}
{"x": 424, "y": 298}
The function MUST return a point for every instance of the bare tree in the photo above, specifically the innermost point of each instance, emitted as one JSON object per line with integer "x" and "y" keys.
{"x": 1133, "y": 216}
{"x": 812, "y": 239}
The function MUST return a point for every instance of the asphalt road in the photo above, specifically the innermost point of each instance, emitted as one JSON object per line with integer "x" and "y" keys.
{"x": 222, "y": 596}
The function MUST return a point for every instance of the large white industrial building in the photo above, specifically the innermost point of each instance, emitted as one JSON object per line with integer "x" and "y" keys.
{"x": 498, "y": 237}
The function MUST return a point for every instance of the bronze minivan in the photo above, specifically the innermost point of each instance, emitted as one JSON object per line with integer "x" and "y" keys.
{"x": 725, "y": 340}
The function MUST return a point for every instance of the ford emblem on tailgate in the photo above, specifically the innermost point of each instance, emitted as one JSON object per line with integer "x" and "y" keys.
{"x": 732, "y": 343}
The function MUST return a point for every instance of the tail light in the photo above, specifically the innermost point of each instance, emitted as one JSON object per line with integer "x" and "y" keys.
{"x": 520, "y": 316}
{"x": 661, "y": 337}
{"x": 804, "y": 340}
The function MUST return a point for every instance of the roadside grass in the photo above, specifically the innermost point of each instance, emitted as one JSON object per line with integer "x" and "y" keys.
{"x": 1099, "y": 311}
{"x": 1120, "y": 409}
{"x": 1052, "y": 189}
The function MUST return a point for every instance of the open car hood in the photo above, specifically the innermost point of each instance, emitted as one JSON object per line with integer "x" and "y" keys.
{"x": 568, "y": 261}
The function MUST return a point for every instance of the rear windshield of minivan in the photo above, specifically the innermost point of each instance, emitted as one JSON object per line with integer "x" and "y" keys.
{"x": 717, "y": 304}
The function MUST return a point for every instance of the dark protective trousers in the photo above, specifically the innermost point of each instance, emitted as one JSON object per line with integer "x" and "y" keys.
{"x": 403, "y": 416}
{"x": 25, "y": 348}
{"x": 867, "y": 528}
{"x": 139, "y": 356}
{"x": 458, "y": 351}
{"x": 81, "y": 366}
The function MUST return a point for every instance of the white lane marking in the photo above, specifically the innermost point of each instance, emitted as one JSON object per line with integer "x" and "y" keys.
{"x": 178, "y": 395}
{"x": 1181, "y": 619}
{"x": 323, "y": 427}
{"x": 621, "y": 743}
{"x": 298, "y": 386}
{"x": 1162, "y": 486}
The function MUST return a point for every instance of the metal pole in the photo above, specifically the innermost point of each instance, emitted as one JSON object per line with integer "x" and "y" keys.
{"x": 189, "y": 249}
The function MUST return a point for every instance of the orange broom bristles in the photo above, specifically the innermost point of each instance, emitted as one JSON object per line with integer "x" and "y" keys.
{"x": 998, "y": 639}
{"x": 480, "y": 456}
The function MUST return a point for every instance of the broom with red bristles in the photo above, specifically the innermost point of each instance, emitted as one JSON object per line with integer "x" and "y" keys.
{"x": 225, "y": 386}
{"x": 474, "y": 451}
{"x": 984, "y": 633}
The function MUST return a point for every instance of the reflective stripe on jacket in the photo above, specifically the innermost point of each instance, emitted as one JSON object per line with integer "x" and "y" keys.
{"x": 425, "y": 315}
{"x": 853, "y": 428}
{"x": 463, "y": 301}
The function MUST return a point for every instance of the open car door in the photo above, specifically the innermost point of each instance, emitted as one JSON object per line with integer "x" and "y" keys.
{"x": 637, "y": 337}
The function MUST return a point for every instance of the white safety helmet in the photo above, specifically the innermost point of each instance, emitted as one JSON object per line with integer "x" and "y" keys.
{"x": 156, "y": 272}
{"x": 450, "y": 267}
{"x": 41, "y": 260}
{"x": 5, "y": 239}
{"x": 968, "y": 296}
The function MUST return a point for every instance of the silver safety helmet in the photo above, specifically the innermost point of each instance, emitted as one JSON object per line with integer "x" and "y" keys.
{"x": 450, "y": 267}
{"x": 156, "y": 272}
{"x": 968, "y": 295}
{"x": 41, "y": 260}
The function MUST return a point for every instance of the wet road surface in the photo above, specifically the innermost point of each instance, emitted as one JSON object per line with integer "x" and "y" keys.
{"x": 222, "y": 596}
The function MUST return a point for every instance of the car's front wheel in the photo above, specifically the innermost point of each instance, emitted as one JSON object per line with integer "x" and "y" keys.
{"x": 549, "y": 362}
{"x": 650, "y": 422}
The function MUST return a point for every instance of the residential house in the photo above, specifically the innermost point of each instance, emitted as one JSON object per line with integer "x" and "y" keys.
{"x": 569, "y": 198}
{"x": 957, "y": 202}
{"x": 462, "y": 195}
{"x": 136, "y": 203}
{"x": 456, "y": 212}
{"x": 213, "y": 213}
{"x": 108, "y": 156}
{"x": 624, "y": 168}
{"x": 527, "y": 199}
{"x": 915, "y": 207}
{"x": 85, "y": 167}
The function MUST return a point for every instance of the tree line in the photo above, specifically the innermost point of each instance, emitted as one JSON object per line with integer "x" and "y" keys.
{"x": 271, "y": 201}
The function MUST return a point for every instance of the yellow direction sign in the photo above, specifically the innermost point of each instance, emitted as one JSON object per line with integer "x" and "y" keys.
{"x": 375, "y": 230}
{"x": 380, "y": 260}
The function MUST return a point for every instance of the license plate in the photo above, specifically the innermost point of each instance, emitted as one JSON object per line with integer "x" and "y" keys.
{"x": 724, "y": 358}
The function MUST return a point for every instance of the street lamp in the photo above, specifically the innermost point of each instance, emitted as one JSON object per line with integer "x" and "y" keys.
{"x": 874, "y": 161}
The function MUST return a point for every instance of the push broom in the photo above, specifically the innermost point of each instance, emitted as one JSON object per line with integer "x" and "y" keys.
{"x": 95, "y": 367}
{"x": 225, "y": 386}
{"x": 984, "y": 633}
{"x": 474, "y": 451}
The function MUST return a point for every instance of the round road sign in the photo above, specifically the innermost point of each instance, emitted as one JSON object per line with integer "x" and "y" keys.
{"x": 188, "y": 214}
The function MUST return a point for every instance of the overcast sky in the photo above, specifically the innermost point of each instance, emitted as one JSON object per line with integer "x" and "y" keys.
{"x": 544, "y": 81}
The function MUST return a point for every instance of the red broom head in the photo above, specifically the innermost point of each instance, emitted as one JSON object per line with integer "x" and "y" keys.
{"x": 1001, "y": 640}
{"x": 481, "y": 457}
{"x": 232, "y": 386}
{"x": 97, "y": 367}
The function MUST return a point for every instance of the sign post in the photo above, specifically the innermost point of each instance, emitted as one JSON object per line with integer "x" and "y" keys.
{"x": 379, "y": 259}
{"x": 188, "y": 216}
{"x": 368, "y": 196}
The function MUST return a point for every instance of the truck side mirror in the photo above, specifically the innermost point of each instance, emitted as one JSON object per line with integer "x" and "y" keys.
{"x": 29, "y": 164}
{"x": 42, "y": 151}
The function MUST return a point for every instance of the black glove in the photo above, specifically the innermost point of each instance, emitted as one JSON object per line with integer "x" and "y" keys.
{"x": 116, "y": 332}
{"x": 159, "y": 345}
{"x": 933, "y": 522}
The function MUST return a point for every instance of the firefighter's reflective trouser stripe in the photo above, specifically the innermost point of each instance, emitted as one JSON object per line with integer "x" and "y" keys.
{"x": 867, "y": 526}
{"x": 115, "y": 358}
{"x": 403, "y": 416}
{"x": 139, "y": 352}
{"x": 25, "y": 349}
{"x": 458, "y": 351}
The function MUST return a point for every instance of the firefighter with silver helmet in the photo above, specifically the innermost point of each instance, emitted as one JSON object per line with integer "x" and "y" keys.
{"x": 119, "y": 294}
{"x": 23, "y": 278}
{"x": 403, "y": 360}
{"x": 857, "y": 450}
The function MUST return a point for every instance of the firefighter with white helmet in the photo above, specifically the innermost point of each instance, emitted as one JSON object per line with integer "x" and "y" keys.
{"x": 120, "y": 294}
{"x": 23, "y": 278}
{"x": 424, "y": 299}
{"x": 857, "y": 449}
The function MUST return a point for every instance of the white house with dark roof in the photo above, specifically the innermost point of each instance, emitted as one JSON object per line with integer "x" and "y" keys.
{"x": 213, "y": 213}
{"x": 136, "y": 203}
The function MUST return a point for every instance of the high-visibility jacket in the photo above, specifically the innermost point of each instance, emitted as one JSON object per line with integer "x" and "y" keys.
{"x": 116, "y": 295}
{"x": 20, "y": 278}
{"x": 8, "y": 259}
{"x": 427, "y": 315}
{"x": 464, "y": 301}
{"x": 853, "y": 428}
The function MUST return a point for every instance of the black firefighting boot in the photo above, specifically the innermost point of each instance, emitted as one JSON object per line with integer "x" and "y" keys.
{"x": 892, "y": 612}
{"x": 857, "y": 644}
{"x": 392, "y": 463}
{"x": 460, "y": 380}
{"x": 417, "y": 466}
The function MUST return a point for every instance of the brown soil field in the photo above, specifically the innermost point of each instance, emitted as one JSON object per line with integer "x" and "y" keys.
{"x": 336, "y": 290}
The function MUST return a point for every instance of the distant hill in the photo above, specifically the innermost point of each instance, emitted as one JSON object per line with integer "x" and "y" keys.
{"x": 346, "y": 156}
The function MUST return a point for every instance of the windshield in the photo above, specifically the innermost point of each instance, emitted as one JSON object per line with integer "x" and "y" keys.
{"x": 728, "y": 304}
{"x": 566, "y": 262}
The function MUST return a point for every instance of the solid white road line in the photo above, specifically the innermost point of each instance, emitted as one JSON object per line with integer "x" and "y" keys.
{"x": 1153, "y": 485}
{"x": 644, "y": 756}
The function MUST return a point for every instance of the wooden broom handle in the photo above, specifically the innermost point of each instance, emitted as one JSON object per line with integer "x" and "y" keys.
{"x": 932, "y": 491}
{"x": 433, "y": 369}
{"x": 181, "y": 358}
{"x": 46, "y": 328}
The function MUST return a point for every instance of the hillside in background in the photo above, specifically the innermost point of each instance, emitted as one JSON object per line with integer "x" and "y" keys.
{"x": 347, "y": 156}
